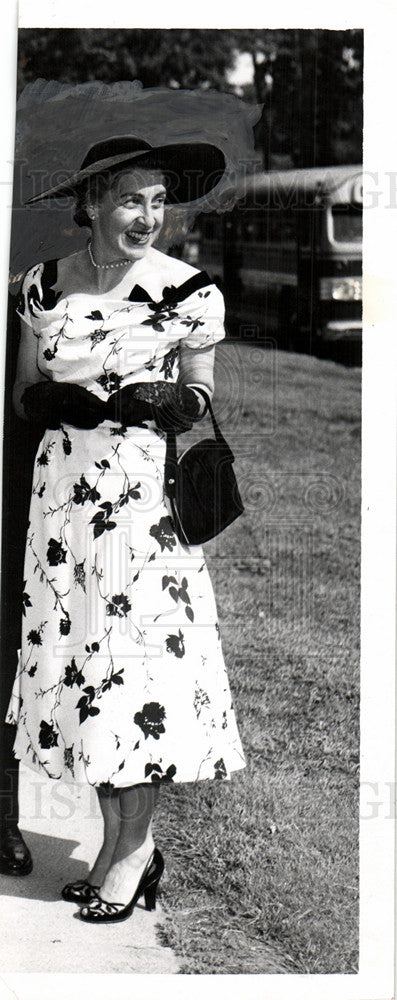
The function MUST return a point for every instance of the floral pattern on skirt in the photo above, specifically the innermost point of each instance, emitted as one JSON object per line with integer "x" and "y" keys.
{"x": 121, "y": 677}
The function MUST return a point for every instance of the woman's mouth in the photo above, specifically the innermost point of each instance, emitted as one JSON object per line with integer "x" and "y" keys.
{"x": 138, "y": 238}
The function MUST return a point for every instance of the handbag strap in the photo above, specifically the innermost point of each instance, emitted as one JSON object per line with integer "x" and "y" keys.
{"x": 171, "y": 458}
{"x": 217, "y": 430}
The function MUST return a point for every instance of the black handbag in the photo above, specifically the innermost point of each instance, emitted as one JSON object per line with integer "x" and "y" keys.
{"x": 201, "y": 486}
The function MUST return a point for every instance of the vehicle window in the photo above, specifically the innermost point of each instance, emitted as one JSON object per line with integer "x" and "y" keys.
{"x": 267, "y": 225}
{"x": 347, "y": 223}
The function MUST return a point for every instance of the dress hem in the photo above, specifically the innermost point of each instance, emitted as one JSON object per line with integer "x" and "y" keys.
{"x": 65, "y": 779}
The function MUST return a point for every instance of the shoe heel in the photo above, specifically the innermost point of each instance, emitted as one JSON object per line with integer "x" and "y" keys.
{"x": 150, "y": 896}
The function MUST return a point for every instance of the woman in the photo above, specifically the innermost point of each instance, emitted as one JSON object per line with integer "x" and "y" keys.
{"x": 121, "y": 681}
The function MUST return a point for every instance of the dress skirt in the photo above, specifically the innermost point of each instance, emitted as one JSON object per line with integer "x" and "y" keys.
{"x": 121, "y": 677}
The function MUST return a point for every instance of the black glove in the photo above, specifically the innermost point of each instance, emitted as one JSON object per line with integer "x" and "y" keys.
{"x": 179, "y": 410}
{"x": 124, "y": 406}
{"x": 171, "y": 407}
{"x": 54, "y": 403}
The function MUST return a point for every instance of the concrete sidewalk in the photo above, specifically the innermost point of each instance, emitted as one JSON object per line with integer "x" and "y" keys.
{"x": 39, "y": 931}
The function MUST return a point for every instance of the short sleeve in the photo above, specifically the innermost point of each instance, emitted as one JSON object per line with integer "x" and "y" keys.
{"x": 203, "y": 316}
{"x": 29, "y": 294}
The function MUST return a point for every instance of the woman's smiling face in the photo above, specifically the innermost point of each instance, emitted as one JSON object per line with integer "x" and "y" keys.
{"x": 128, "y": 216}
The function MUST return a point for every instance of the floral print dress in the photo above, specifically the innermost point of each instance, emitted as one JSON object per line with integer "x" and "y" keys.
{"x": 121, "y": 677}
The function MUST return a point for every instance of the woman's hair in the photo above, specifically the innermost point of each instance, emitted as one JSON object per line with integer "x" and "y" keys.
{"x": 95, "y": 187}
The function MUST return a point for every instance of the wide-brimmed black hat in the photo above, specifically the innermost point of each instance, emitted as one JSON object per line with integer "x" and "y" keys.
{"x": 191, "y": 170}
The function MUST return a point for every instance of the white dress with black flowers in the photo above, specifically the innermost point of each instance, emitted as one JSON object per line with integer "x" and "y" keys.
{"x": 121, "y": 677}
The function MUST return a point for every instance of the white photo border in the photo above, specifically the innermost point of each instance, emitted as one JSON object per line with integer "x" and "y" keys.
{"x": 375, "y": 979}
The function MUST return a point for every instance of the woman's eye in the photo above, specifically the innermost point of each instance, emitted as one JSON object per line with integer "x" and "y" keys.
{"x": 134, "y": 202}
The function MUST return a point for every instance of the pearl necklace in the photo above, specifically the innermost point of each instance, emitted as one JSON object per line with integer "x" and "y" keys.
{"x": 119, "y": 263}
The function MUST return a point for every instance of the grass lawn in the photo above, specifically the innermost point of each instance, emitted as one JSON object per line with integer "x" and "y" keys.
{"x": 262, "y": 871}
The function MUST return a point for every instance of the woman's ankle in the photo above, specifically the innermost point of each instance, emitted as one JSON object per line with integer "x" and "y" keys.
{"x": 132, "y": 845}
{"x": 103, "y": 861}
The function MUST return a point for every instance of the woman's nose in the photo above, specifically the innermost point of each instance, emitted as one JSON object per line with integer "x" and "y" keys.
{"x": 147, "y": 215}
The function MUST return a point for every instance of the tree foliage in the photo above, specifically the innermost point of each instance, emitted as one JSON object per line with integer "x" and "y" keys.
{"x": 309, "y": 81}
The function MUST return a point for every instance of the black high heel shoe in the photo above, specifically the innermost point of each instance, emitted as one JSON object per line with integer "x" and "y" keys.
{"x": 99, "y": 911}
{"x": 79, "y": 892}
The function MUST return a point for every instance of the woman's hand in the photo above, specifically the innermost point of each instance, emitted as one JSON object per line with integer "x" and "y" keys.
{"x": 172, "y": 407}
{"x": 54, "y": 403}
{"x": 126, "y": 408}
{"x": 179, "y": 410}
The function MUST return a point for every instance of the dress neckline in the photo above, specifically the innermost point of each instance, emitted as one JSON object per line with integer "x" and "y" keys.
{"x": 171, "y": 294}
{"x": 50, "y": 298}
